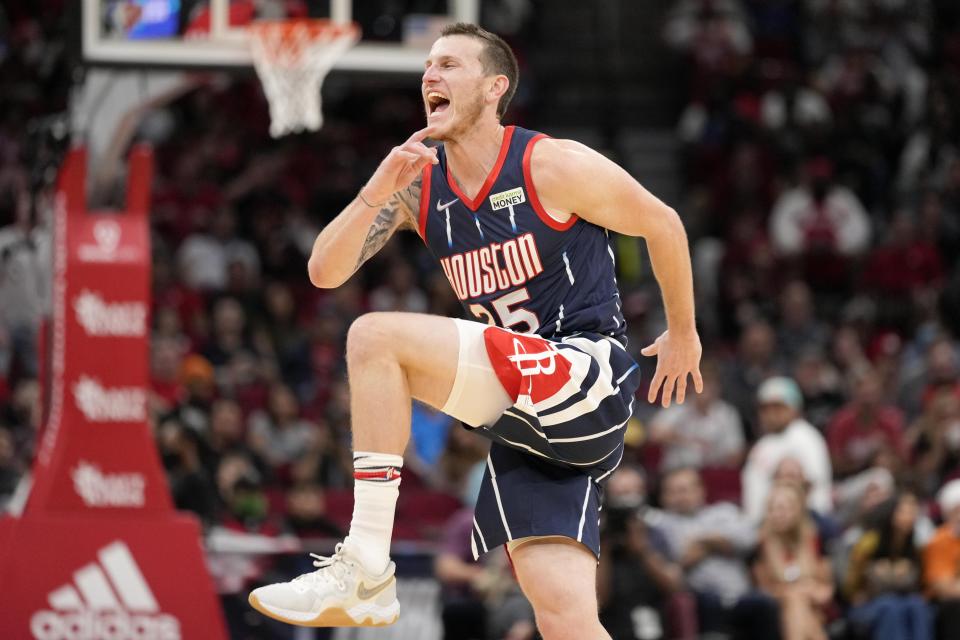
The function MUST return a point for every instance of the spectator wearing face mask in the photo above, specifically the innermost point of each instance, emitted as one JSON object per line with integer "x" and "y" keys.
{"x": 307, "y": 513}
{"x": 641, "y": 591}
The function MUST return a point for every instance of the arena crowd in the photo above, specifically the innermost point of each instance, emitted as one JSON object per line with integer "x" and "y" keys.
{"x": 812, "y": 490}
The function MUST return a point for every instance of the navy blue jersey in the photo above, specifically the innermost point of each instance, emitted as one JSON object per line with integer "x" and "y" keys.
{"x": 509, "y": 262}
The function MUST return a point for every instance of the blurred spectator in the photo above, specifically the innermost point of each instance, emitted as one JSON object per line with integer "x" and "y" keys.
{"x": 463, "y": 612}
{"x": 287, "y": 340}
{"x": 906, "y": 264}
{"x": 941, "y": 371}
{"x": 819, "y": 217}
{"x": 865, "y": 428}
{"x": 306, "y": 513}
{"x": 820, "y": 384}
{"x": 326, "y": 348}
{"x": 714, "y": 34}
{"x": 227, "y": 435}
{"x": 800, "y": 330}
{"x": 228, "y": 333}
{"x": 10, "y": 467}
{"x": 25, "y": 272}
{"x": 790, "y": 565}
{"x": 204, "y": 258}
{"x": 247, "y": 507}
{"x": 755, "y": 361}
{"x": 790, "y": 470}
{"x": 21, "y": 414}
{"x": 400, "y": 291}
{"x": 941, "y": 563}
{"x": 884, "y": 576}
{"x": 858, "y": 497}
{"x": 247, "y": 379}
{"x": 786, "y": 433}
{"x": 706, "y": 431}
{"x": 192, "y": 489}
{"x": 326, "y": 462}
{"x": 226, "y": 425}
{"x": 795, "y": 105}
{"x": 935, "y": 440}
{"x": 196, "y": 376}
{"x": 165, "y": 384}
{"x": 479, "y": 599}
{"x": 634, "y": 577}
{"x": 279, "y": 434}
{"x": 711, "y": 544}
{"x": 178, "y": 311}
{"x": 930, "y": 149}
{"x": 847, "y": 351}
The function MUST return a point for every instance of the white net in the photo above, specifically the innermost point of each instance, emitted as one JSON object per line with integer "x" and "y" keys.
{"x": 292, "y": 58}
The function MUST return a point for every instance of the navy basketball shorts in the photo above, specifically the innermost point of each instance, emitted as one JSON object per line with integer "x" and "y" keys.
{"x": 556, "y": 412}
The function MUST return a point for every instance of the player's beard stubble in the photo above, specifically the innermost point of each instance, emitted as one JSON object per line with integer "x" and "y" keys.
{"x": 467, "y": 112}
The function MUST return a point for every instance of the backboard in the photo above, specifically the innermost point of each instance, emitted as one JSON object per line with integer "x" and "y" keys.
{"x": 199, "y": 33}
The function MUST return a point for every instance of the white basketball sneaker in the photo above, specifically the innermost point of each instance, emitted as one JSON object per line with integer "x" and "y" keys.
{"x": 340, "y": 593}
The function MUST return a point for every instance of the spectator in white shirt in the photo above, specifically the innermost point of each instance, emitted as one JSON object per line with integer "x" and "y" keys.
{"x": 706, "y": 432}
{"x": 786, "y": 434}
{"x": 819, "y": 216}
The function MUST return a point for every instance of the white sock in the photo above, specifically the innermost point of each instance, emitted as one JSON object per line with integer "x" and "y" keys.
{"x": 375, "y": 489}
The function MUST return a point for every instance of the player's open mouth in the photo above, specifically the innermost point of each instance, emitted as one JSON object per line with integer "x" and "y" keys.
{"x": 437, "y": 102}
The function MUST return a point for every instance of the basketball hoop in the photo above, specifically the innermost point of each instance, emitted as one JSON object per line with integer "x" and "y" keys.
{"x": 292, "y": 57}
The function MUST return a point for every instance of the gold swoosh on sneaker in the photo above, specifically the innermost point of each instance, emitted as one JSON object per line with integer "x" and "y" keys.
{"x": 365, "y": 594}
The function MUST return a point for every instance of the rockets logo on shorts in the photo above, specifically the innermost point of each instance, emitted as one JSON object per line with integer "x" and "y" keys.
{"x": 520, "y": 356}
{"x": 526, "y": 365}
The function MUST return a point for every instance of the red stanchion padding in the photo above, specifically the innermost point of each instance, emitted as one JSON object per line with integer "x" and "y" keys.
{"x": 97, "y": 452}
{"x": 99, "y": 551}
{"x": 108, "y": 577}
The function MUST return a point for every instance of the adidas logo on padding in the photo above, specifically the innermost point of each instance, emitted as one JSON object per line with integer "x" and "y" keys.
{"x": 108, "y": 599}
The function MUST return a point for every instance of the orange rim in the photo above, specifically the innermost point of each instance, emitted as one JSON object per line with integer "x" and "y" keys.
{"x": 285, "y": 30}
{"x": 289, "y": 39}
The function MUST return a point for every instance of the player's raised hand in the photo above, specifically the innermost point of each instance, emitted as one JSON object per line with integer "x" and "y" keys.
{"x": 678, "y": 356}
{"x": 401, "y": 166}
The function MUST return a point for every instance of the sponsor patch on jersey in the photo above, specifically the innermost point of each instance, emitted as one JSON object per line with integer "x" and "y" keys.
{"x": 506, "y": 199}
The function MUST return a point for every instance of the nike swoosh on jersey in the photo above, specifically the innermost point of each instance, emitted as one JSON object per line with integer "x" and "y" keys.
{"x": 365, "y": 594}
{"x": 444, "y": 207}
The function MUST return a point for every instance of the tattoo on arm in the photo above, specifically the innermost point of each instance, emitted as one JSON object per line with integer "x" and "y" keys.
{"x": 410, "y": 199}
{"x": 401, "y": 205}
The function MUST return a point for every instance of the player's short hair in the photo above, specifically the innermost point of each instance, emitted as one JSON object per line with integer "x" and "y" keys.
{"x": 497, "y": 57}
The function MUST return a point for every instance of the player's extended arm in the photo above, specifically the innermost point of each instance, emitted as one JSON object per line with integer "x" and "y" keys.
{"x": 389, "y": 201}
{"x": 572, "y": 178}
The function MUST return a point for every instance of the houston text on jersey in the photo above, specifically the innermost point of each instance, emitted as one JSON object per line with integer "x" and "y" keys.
{"x": 495, "y": 267}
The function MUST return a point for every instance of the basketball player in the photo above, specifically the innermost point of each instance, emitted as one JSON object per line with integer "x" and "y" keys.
{"x": 519, "y": 224}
